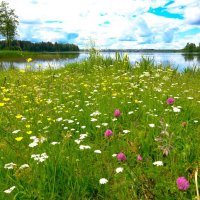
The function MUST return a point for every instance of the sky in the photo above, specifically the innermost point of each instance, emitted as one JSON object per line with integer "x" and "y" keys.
{"x": 111, "y": 24}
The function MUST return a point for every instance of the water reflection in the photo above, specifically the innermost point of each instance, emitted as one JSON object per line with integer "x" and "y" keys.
{"x": 191, "y": 57}
{"x": 175, "y": 60}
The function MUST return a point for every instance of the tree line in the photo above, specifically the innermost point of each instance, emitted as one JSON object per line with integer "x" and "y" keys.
{"x": 191, "y": 47}
{"x": 8, "y": 30}
{"x": 38, "y": 47}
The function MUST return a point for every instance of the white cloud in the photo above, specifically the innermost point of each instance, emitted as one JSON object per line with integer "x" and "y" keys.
{"x": 192, "y": 15}
{"x": 112, "y": 23}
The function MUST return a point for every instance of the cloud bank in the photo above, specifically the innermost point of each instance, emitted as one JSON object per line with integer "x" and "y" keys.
{"x": 127, "y": 24}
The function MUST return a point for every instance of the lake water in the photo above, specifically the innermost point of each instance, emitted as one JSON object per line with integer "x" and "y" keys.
{"x": 176, "y": 60}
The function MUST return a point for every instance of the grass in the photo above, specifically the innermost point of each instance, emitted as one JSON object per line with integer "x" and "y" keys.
{"x": 56, "y": 111}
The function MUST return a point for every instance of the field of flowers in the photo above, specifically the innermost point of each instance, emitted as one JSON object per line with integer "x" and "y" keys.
{"x": 100, "y": 129}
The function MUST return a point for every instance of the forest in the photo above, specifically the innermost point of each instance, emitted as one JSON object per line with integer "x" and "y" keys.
{"x": 38, "y": 47}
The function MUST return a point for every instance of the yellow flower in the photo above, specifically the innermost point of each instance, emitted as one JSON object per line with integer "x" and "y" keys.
{"x": 18, "y": 138}
{"x": 18, "y": 116}
{"x": 28, "y": 126}
{"x": 2, "y": 104}
{"x": 28, "y": 132}
{"x": 136, "y": 101}
{"x": 29, "y": 60}
{"x": 6, "y": 99}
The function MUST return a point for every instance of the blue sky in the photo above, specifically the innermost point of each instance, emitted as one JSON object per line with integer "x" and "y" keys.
{"x": 132, "y": 24}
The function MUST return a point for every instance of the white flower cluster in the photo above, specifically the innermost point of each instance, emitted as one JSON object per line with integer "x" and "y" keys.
{"x": 103, "y": 181}
{"x": 36, "y": 141}
{"x": 9, "y": 165}
{"x": 96, "y": 113}
{"x": 81, "y": 138}
{"x": 40, "y": 157}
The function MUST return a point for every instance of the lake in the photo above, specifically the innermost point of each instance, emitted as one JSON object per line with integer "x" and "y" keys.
{"x": 176, "y": 60}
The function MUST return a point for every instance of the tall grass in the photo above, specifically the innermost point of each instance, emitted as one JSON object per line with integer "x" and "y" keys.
{"x": 57, "y": 111}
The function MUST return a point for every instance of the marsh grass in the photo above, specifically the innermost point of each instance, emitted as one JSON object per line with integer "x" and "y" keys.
{"x": 60, "y": 105}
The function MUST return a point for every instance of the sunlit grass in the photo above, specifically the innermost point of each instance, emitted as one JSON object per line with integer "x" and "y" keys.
{"x": 53, "y": 123}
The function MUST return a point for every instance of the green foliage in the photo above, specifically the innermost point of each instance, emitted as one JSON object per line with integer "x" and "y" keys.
{"x": 8, "y": 23}
{"x": 191, "y": 47}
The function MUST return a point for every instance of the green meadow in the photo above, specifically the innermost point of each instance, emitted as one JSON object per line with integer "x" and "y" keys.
{"x": 54, "y": 123}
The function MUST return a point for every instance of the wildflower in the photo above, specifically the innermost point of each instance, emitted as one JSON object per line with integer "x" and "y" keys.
{"x": 126, "y": 131}
{"x": 103, "y": 181}
{"x": 18, "y": 138}
{"x": 18, "y": 116}
{"x": 9, "y": 165}
{"x": 96, "y": 113}
{"x": 139, "y": 157}
{"x": 40, "y": 157}
{"x": 114, "y": 155}
{"x": 70, "y": 121}
{"x": 59, "y": 119}
{"x": 54, "y": 143}
{"x": 33, "y": 144}
{"x": 82, "y": 136}
{"x": 130, "y": 113}
{"x": 2, "y": 104}
{"x": 16, "y": 131}
{"x": 119, "y": 169}
{"x": 24, "y": 166}
{"x": 170, "y": 101}
{"x": 121, "y": 156}
{"x": 97, "y": 151}
{"x": 29, "y": 60}
{"x": 176, "y": 109}
{"x": 28, "y": 132}
{"x": 117, "y": 113}
{"x": 77, "y": 141}
{"x": 6, "y": 99}
{"x": 182, "y": 183}
{"x": 93, "y": 120}
{"x": 104, "y": 124}
{"x": 152, "y": 125}
{"x": 158, "y": 163}
{"x": 108, "y": 133}
{"x": 8, "y": 191}
{"x": 84, "y": 147}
